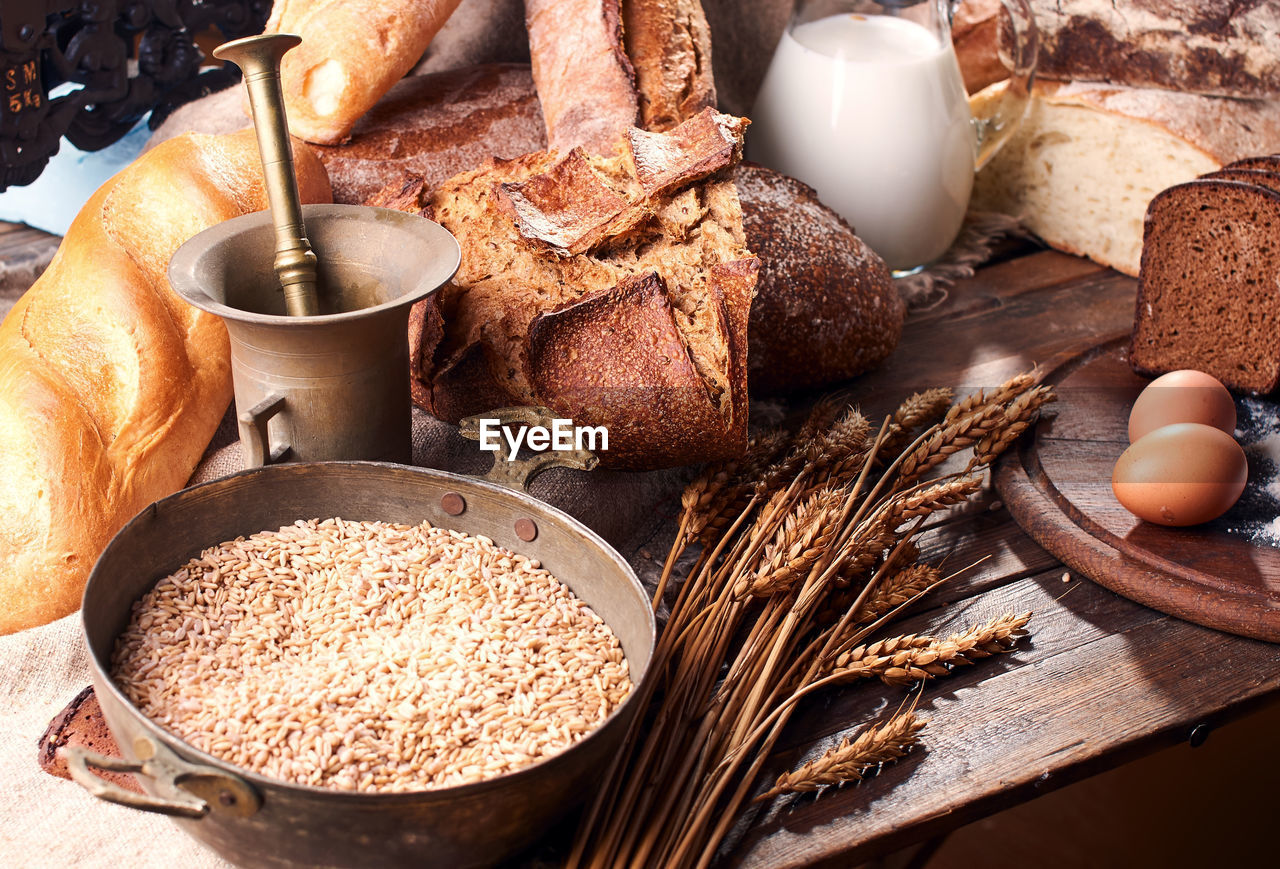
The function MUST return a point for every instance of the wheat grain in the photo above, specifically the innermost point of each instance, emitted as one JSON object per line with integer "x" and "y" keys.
{"x": 797, "y": 545}
{"x": 369, "y": 656}
{"x": 896, "y": 590}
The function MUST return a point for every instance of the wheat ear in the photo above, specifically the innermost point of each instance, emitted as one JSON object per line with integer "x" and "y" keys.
{"x": 850, "y": 761}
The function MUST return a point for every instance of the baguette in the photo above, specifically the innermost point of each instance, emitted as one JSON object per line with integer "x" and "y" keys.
{"x": 669, "y": 45}
{"x": 352, "y": 52}
{"x": 110, "y": 384}
{"x": 648, "y": 62}
{"x": 572, "y": 42}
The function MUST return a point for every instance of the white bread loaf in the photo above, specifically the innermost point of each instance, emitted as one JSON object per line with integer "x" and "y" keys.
{"x": 1088, "y": 158}
{"x": 110, "y": 384}
{"x": 352, "y": 52}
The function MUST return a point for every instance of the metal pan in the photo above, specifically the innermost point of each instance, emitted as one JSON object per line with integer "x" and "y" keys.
{"x": 258, "y": 821}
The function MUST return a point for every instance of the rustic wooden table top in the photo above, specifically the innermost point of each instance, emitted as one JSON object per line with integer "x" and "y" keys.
{"x": 1100, "y": 680}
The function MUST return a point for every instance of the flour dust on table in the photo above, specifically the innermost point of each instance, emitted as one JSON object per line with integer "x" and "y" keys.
{"x": 1256, "y": 516}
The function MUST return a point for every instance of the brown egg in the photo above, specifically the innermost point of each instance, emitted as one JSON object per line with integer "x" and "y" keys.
{"x": 1182, "y": 396}
{"x": 1180, "y": 474}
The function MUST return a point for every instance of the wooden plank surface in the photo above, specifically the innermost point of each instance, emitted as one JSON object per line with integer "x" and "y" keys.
{"x": 24, "y": 254}
{"x": 1101, "y": 679}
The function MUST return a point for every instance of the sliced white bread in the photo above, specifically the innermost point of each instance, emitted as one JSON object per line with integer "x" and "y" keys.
{"x": 1088, "y": 159}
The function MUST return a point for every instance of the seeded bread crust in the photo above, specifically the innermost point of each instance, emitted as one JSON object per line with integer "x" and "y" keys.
{"x": 1207, "y": 289}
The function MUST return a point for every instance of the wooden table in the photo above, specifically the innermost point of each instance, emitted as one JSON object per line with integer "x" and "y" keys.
{"x": 1100, "y": 680}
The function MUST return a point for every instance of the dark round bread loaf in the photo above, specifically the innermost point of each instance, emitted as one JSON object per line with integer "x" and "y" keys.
{"x": 826, "y": 308}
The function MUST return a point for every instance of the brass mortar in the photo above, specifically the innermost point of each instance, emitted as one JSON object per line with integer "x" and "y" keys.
{"x": 333, "y": 386}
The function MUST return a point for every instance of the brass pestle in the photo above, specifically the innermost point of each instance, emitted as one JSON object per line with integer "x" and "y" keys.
{"x": 295, "y": 263}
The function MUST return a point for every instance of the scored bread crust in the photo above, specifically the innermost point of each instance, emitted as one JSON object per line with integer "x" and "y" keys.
{"x": 1213, "y": 47}
{"x": 110, "y": 384}
{"x": 618, "y": 358}
{"x": 352, "y": 52}
{"x": 435, "y": 126}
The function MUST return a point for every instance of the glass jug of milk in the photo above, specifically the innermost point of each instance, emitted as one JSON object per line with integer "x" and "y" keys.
{"x": 864, "y": 102}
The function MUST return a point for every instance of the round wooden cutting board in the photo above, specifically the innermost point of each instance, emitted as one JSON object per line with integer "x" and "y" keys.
{"x": 1057, "y": 485}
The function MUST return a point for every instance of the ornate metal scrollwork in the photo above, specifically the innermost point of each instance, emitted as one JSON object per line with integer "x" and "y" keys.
{"x": 128, "y": 57}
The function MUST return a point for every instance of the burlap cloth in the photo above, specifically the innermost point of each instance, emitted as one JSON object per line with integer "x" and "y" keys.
{"x": 46, "y": 821}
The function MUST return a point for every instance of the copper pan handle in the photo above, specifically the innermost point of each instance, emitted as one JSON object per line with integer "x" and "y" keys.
{"x": 516, "y": 473}
{"x": 184, "y": 790}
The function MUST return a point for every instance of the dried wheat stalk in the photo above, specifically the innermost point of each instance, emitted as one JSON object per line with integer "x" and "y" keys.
{"x": 907, "y": 659}
{"x": 806, "y": 548}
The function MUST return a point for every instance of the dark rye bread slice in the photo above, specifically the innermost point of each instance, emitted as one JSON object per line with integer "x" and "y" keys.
{"x": 80, "y": 723}
{"x": 1207, "y": 292}
{"x": 1267, "y": 163}
{"x": 826, "y": 308}
{"x": 1260, "y": 177}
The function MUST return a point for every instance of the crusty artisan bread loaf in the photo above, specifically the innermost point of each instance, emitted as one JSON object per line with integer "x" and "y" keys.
{"x": 1211, "y": 47}
{"x": 433, "y": 125}
{"x": 352, "y": 52}
{"x": 1088, "y": 158}
{"x": 614, "y": 290}
{"x": 1207, "y": 294}
{"x": 110, "y": 384}
{"x": 826, "y": 308}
